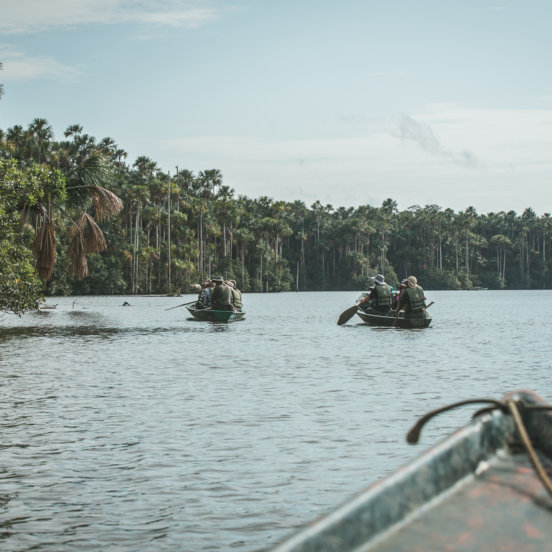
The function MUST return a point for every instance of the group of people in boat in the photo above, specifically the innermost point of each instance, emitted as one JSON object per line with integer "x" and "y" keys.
{"x": 408, "y": 300}
{"x": 219, "y": 294}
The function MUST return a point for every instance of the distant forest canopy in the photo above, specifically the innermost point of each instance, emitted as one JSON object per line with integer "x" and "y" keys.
{"x": 174, "y": 230}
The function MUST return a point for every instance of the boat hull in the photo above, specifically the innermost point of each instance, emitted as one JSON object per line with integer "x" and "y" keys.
{"x": 212, "y": 315}
{"x": 373, "y": 318}
{"x": 474, "y": 491}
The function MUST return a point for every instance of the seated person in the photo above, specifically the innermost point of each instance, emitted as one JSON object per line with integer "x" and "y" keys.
{"x": 380, "y": 298}
{"x": 236, "y": 295}
{"x": 221, "y": 297}
{"x": 204, "y": 297}
{"x": 412, "y": 300}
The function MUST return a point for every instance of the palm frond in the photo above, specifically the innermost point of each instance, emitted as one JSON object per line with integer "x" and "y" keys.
{"x": 76, "y": 256}
{"x": 95, "y": 170}
{"x": 95, "y": 241}
{"x": 80, "y": 246}
{"x": 44, "y": 248}
{"x": 105, "y": 202}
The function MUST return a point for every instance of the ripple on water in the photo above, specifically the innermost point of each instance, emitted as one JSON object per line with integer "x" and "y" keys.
{"x": 130, "y": 429}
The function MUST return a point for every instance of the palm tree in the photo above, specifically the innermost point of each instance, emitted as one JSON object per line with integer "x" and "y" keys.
{"x": 41, "y": 135}
{"x": 503, "y": 244}
{"x": 85, "y": 235}
{"x": 15, "y": 138}
{"x": 73, "y": 188}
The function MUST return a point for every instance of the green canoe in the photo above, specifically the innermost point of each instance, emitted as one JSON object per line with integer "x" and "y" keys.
{"x": 212, "y": 315}
{"x": 374, "y": 318}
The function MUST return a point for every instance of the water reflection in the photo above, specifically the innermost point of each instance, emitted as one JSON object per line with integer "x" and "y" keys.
{"x": 98, "y": 331}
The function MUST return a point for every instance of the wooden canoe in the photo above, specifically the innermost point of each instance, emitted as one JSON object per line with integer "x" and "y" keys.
{"x": 212, "y": 315}
{"x": 475, "y": 491}
{"x": 375, "y": 318}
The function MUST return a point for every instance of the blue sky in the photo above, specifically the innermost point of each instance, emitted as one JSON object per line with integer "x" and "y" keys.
{"x": 347, "y": 102}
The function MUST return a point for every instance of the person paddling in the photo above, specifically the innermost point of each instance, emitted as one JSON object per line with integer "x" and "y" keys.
{"x": 412, "y": 300}
{"x": 380, "y": 297}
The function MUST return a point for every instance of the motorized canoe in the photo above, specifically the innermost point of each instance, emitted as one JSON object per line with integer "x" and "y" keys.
{"x": 212, "y": 315}
{"x": 481, "y": 489}
{"x": 375, "y": 318}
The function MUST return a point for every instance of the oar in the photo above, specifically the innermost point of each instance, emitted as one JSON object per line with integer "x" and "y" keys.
{"x": 430, "y": 304}
{"x": 183, "y": 304}
{"x": 347, "y": 315}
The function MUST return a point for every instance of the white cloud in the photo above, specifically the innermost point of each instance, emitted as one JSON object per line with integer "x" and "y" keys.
{"x": 514, "y": 145}
{"x": 485, "y": 140}
{"x": 502, "y": 138}
{"x": 16, "y": 66}
{"x": 187, "y": 18}
{"x": 26, "y": 16}
{"x": 422, "y": 134}
{"x": 299, "y": 153}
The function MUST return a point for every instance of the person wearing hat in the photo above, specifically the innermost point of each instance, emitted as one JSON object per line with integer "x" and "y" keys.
{"x": 204, "y": 297}
{"x": 221, "y": 297}
{"x": 398, "y": 294}
{"x": 236, "y": 295}
{"x": 381, "y": 295}
{"x": 412, "y": 300}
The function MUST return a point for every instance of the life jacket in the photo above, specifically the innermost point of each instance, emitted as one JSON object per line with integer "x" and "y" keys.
{"x": 416, "y": 299}
{"x": 383, "y": 296}
{"x": 236, "y": 298}
{"x": 221, "y": 296}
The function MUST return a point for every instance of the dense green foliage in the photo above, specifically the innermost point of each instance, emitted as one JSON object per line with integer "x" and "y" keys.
{"x": 176, "y": 229}
{"x": 20, "y": 287}
{"x": 46, "y": 191}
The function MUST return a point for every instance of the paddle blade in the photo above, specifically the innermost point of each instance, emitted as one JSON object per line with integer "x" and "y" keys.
{"x": 347, "y": 315}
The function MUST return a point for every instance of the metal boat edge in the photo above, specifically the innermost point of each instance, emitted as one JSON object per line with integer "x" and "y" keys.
{"x": 362, "y": 522}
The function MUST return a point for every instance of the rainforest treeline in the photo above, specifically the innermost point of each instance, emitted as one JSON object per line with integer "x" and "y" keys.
{"x": 96, "y": 224}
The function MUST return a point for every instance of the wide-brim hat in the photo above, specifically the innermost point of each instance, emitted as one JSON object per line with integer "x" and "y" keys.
{"x": 218, "y": 279}
{"x": 378, "y": 278}
{"x": 412, "y": 281}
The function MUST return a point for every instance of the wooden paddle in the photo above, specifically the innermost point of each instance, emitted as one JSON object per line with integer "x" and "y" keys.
{"x": 183, "y": 304}
{"x": 347, "y": 315}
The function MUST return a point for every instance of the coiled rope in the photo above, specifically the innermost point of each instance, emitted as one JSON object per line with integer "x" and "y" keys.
{"x": 508, "y": 406}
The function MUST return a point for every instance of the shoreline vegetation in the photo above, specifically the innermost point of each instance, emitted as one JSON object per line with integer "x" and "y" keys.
{"x": 77, "y": 219}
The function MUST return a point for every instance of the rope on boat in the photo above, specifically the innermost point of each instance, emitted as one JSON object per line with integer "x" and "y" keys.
{"x": 510, "y": 406}
{"x": 513, "y": 408}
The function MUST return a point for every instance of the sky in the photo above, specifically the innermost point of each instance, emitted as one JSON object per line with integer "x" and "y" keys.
{"x": 346, "y": 102}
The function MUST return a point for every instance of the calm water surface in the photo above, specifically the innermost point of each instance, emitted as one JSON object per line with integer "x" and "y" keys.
{"x": 137, "y": 429}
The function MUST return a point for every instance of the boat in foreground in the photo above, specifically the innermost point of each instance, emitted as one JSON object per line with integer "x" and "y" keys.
{"x": 375, "y": 318}
{"x": 212, "y": 315}
{"x": 484, "y": 488}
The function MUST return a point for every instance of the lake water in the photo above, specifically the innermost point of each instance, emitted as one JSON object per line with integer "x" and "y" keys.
{"x": 138, "y": 429}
